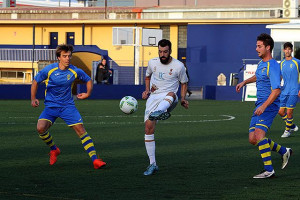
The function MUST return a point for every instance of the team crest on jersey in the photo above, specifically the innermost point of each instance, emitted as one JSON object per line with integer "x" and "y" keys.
{"x": 291, "y": 65}
{"x": 154, "y": 70}
{"x": 262, "y": 71}
{"x": 170, "y": 71}
{"x": 68, "y": 77}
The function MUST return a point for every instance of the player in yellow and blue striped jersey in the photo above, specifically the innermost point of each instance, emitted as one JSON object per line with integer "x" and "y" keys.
{"x": 59, "y": 79}
{"x": 290, "y": 89}
{"x": 267, "y": 78}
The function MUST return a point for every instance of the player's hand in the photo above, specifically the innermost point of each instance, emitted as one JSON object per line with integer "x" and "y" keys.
{"x": 239, "y": 87}
{"x": 185, "y": 103}
{"x": 145, "y": 94}
{"x": 82, "y": 95}
{"x": 299, "y": 93}
{"x": 35, "y": 103}
{"x": 260, "y": 110}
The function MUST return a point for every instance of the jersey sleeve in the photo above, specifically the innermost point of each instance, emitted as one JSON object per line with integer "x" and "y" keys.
{"x": 182, "y": 76}
{"x": 275, "y": 75}
{"x": 149, "y": 69}
{"x": 81, "y": 75}
{"x": 42, "y": 75}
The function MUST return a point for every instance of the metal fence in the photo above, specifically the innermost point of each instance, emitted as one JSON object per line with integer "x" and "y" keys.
{"x": 79, "y": 3}
{"x": 27, "y": 54}
{"x": 110, "y": 3}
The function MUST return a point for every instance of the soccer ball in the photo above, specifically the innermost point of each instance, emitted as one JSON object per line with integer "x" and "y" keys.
{"x": 128, "y": 105}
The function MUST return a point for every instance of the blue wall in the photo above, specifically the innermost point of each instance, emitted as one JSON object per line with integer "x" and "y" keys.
{"x": 99, "y": 91}
{"x": 215, "y": 49}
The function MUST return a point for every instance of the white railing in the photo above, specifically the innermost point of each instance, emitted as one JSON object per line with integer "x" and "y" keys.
{"x": 27, "y": 54}
{"x": 78, "y": 3}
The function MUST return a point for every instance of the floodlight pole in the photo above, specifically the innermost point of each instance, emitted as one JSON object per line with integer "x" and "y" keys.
{"x": 137, "y": 56}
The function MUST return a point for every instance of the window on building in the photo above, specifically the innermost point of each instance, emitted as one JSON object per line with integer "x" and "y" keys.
{"x": 182, "y": 36}
{"x": 278, "y": 54}
{"x": 297, "y": 50}
{"x": 166, "y": 31}
{"x": 11, "y": 74}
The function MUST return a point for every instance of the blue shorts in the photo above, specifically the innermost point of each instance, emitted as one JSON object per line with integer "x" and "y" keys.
{"x": 69, "y": 114}
{"x": 263, "y": 121}
{"x": 288, "y": 101}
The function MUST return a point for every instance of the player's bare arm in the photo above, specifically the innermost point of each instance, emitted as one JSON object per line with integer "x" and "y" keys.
{"x": 274, "y": 94}
{"x": 89, "y": 89}
{"x": 146, "y": 93}
{"x": 245, "y": 82}
{"x": 34, "y": 102}
{"x": 184, "y": 102}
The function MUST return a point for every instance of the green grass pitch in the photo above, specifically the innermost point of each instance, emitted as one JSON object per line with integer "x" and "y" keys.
{"x": 202, "y": 153}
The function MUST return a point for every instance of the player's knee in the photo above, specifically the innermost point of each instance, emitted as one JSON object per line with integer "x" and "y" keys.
{"x": 281, "y": 112}
{"x": 252, "y": 140}
{"x": 172, "y": 94}
{"x": 41, "y": 129}
{"x": 289, "y": 113}
{"x": 149, "y": 129}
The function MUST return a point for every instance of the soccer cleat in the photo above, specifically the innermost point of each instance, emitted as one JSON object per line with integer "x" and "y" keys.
{"x": 286, "y": 134}
{"x": 53, "y": 155}
{"x": 286, "y": 157}
{"x": 265, "y": 174}
{"x": 295, "y": 129}
{"x": 151, "y": 169}
{"x": 159, "y": 115}
{"x": 98, "y": 163}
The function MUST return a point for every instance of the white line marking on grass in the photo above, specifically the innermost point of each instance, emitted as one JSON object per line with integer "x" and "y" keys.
{"x": 224, "y": 118}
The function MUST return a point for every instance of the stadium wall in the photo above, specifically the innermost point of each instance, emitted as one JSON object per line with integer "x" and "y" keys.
{"x": 99, "y": 91}
{"x": 219, "y": 48}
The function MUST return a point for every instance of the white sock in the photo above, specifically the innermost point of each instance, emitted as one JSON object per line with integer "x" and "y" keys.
{"x": 150, "y": 148}
{"x": 165, "y": 103}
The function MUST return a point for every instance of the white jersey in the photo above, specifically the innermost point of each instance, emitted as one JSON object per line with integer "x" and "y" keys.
{"x": 166, "y": 78}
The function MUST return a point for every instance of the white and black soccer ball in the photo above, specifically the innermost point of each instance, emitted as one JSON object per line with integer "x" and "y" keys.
{"x": 128, "y": 105}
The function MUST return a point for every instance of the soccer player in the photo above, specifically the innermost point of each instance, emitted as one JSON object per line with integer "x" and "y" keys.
{"x": 59, "y": 78}
{"x": 162, "y": 81}
{"x": 290, "y": 90}
{"x": 267, "y": 78}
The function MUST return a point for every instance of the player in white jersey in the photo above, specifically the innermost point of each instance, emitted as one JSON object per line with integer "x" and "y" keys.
{"x": 162, "y": 81}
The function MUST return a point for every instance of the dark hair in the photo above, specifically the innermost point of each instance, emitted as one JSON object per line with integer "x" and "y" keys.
{"x": 63, "y": 47}
{"x": 100, "y": 63}
{"x": 267, "y": 40}
{"x": 287, "y": 44}
{"x": 164, "y": 43}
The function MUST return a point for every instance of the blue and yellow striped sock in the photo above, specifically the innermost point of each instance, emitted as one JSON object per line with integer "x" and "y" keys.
{"x": 88, "y": 145}
{"x": 47, "y": 138}
{"x": 265, "y": 152}
{"x": 289, "y": 124}
{"x": 284, "y": 117}
{"x": 277, "y": 147}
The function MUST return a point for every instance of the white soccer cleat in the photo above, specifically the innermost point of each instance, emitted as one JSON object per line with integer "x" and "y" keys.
{"x": 286, "y": 134}
{"x": 159, "y": 115}
{"x": 295, "y": 129}
{"x": 151, "y": 169}
{"x": 286, "y": 157}
{"x": 265, "y": 174}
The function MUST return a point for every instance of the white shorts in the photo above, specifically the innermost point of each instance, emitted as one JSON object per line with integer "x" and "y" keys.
{"x": 154, "y": 100}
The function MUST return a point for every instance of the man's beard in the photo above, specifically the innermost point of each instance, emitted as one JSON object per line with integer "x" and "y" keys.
{"x": 164, "y": 61}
